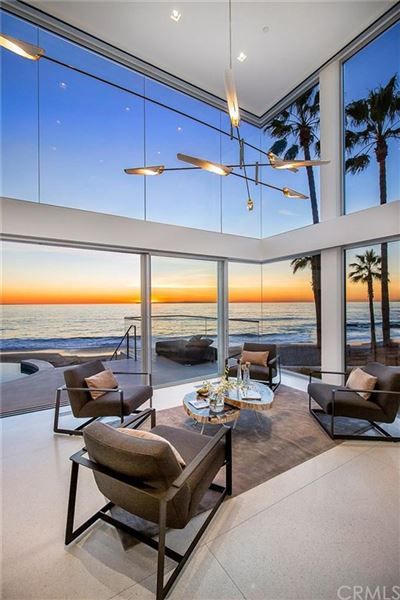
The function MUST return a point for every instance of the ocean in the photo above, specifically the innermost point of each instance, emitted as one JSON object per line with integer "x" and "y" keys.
{"x": 96, "y": 326}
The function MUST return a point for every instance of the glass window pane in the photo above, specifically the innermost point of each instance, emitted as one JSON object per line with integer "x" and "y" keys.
{"x": 291, "y": 303}
{"x": 90, "y": 132}
{"x": 236, "y": 218}
{"x": 19, "y": 115}
{"x": 76, "y": 56}
{"x": 182, "y": 102}
{"x": 188, "y": 198}
{"x": 372, "y": 323}
{"x": 372, "y": 144}
{"x": 294, "y": 134}
{"x": 184, "y": 319}
{"x": 245, "y": 305}
{"x": 54, "y": 311}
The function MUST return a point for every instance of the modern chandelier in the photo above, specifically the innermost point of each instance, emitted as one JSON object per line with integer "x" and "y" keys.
{"x": 240, "y": 169}
{"x": 224, "y": 170}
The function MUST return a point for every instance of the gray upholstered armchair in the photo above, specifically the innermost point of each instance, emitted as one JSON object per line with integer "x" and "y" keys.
{"x": 340, "y": 401}
{"x": 144, "y": 477}
{"x": 119, "y": 402}
{"x": 271, "y": 374}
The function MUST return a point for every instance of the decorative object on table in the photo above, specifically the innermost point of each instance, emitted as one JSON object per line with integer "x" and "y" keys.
{"x": 238, "y": 374}
{"x": 246, "y": 375}
{"x": 199, "y": 403}
{"x": 205, "y": 389}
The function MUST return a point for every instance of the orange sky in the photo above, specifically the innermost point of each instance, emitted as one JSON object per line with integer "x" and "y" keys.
{"x": 45, "y": 275}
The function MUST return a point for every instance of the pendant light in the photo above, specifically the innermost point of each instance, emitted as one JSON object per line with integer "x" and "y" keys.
{"x": 230, "y": 88}
{"x": 207, "y": 165}
{"x": 21, "y": 48}
{"x": 289, "y": 193}
{"x": 157, "y": 170}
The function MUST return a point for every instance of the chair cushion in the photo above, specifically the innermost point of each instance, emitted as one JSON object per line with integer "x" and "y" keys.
{"x": 255, "y": 358}
{"x": 150, "y": 435}
{"x": 151, "y": 462}
{"x": 349, "y": 404}
{"x": 104, "y": 379}
{"x": 189, "y": 444}
{"x": 109, "y": 404}
{"x": 360, "y": 380}
{"x": 75, "y": 378}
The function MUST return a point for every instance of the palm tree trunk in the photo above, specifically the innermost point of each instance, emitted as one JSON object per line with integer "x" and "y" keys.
{"x": 316, "y": 286}
{"x": 372, "y": 316}
{"x": 385, "y": 304}
{"x": 311, "y": 185}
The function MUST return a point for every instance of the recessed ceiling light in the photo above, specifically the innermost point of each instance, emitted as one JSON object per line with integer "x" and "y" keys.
{"x": 175, "y": 15}
{"x": 242, "y": 57}
{"x": 265, "y": 29}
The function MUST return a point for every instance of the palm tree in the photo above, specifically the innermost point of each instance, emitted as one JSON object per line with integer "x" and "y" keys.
{"x": 370, "y": 123}
{"x": 366, "y": 269}
{"x": 300, "y": 122}
{"x": 304, "y": 262}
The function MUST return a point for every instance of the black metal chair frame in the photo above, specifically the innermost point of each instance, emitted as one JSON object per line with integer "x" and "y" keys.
{"x": 385, "y": 436}
{"x": 120, "y": 391}
{"x": 271, "y": 383}
{"x": 162, "y": 591}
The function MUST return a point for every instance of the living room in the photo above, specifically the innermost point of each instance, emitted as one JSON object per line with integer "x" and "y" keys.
{"x": 210, "y": 240}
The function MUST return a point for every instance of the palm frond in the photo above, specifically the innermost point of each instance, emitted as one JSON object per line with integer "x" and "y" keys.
{"x": 356, "y": 164}
{"x": 292, "y": 152}
{"x": 279, "y": 146}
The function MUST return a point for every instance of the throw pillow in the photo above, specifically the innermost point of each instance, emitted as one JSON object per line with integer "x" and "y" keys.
{"x": 254, "y": 358}
{"x": 360, "y": 380}
{"x": 104, "y": 379}
{"x": 147, "y": 435}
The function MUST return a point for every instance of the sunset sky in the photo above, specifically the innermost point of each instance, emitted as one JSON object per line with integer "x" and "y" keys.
{"x": 34, "y": 274}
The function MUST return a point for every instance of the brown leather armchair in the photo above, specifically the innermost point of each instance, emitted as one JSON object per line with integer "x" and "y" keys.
{"x": 119, "y": 402}
{"x": 339, "y": 401}
{"x": 271, "y": 374}
{"x": 144, "y": 478}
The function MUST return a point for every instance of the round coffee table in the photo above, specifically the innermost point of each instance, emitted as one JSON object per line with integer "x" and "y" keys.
{"x": 205, "y": 416}
{"x": 235, "y": 401}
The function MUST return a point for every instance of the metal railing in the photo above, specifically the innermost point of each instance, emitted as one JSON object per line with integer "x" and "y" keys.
{"x": 126, "y": 337}
{"x": 204, "y": 318}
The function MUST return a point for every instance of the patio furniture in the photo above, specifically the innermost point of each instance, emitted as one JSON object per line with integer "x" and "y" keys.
{"x": 196, "y": 350}
{"x": 257, "y": 372}
{"x": 144, "y": 478}
{"x": 341, "y": 401}
{"x": 119, "y": 402}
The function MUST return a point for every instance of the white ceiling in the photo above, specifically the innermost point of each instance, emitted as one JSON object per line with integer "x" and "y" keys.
{"x": 301, "y": 37}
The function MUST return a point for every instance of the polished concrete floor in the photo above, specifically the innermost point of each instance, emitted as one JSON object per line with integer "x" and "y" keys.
{"x": 312, "y": 533}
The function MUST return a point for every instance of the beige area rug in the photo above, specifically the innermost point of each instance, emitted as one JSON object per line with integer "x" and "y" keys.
{"x": 281, "y": 438}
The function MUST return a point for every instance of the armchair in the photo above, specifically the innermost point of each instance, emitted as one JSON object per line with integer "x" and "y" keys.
{"x": 340, "y": 401}
{"x": 264, "y": 374}
{"x": 144, "y": 478}
{"x": 119, "y": 402}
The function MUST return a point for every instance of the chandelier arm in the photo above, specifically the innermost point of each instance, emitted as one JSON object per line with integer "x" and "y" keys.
{"x": 269, "y": 185}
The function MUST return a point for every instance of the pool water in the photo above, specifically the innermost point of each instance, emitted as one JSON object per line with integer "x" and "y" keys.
{"x": 10, "y": 372}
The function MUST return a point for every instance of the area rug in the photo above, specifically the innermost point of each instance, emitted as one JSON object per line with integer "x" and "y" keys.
{"x": 262, "y": 446}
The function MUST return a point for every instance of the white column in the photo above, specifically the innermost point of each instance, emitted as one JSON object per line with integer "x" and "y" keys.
{"x": 332, "y": 350}
{"x": 223, "y": 307}
{"x": 145, "y": 279}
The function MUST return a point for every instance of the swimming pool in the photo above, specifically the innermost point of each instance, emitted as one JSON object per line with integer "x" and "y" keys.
{"x": 10, "y": 371}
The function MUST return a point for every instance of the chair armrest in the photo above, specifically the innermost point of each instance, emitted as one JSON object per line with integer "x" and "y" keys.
{"x": 87, "y": 389}
{"x": 346, "y": 390}
{"x": 149, "y": 375}
{"x": 196, "y": 462}
{"x": 274, "y": 360}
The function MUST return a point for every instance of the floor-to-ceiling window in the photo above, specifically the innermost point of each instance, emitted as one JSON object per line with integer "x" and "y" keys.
{"x": 292, "y": 311}
{"x": 63, "y": 306}
{"x": 372, "y": 315}
{"x": 184, "y": 319}
{"x": 371, "y": 95}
